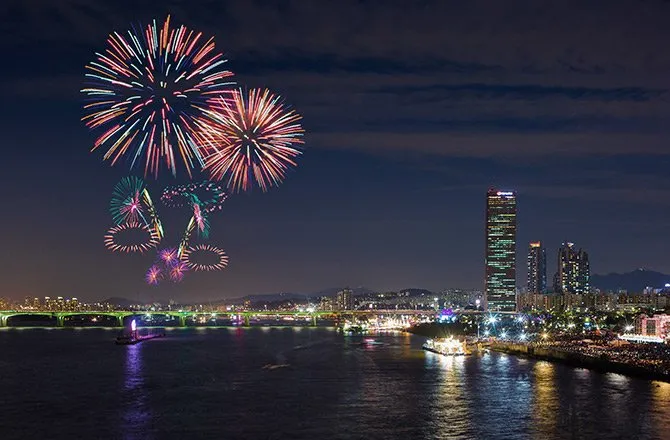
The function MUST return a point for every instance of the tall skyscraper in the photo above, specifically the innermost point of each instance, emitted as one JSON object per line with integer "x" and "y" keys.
{"x": 574, "y": 272}
{"x": 537, "y": 268}
{"x": 501, "y": 250}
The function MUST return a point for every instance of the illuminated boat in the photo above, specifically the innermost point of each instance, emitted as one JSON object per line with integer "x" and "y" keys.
{"x": 354, "y": 328}
{"x": 133, "y": 337}
{"x": 446, "y": 346}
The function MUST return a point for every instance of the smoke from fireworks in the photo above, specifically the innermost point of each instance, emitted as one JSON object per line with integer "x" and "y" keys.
{"x": 148, "y": 96}
{"x": 256, "y": 139}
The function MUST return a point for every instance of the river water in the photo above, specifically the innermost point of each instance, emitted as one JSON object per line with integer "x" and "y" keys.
{"x": 304, "y": 383}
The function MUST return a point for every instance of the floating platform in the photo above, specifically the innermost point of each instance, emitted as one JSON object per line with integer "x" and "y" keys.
{"x": 136, "y": 339}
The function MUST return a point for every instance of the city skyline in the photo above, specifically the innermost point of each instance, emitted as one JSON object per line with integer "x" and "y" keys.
{"x": 400, "y": 143}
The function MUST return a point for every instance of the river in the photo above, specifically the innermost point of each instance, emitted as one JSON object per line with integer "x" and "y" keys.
{"x": 304, "y": 383}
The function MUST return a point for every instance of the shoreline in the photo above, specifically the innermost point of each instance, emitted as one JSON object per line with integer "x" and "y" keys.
{"x": 578, "y": 360}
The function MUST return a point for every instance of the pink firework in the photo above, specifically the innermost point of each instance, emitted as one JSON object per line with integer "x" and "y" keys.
{"x": 132, "y": 209}
{"x": 256, "y": 140}
{"x": 200, "y": 221}
{"x": 154, "y": 275}
{"x": 178, "y": 271}
{"x": 218, "y": 259}
{"x": 113, "y": 244}
{"x": 168, "y": 256}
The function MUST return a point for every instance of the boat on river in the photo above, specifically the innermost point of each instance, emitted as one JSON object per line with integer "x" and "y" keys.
{"x": 133, "y": 337}
{"x": 446, "y": 346}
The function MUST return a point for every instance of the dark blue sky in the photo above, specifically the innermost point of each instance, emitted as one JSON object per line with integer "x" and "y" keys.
{"x": 412, "y": 110}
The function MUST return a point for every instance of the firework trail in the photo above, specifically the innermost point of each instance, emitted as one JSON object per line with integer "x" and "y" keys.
{"x": 201, "y": 221}
{"x": 148, "y": 93}
{"x": 256, "y": 138}
{"x": 157, "y": 225}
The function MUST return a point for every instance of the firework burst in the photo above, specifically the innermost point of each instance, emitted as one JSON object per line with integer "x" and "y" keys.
{"x": 168, "y": 257}
{"x": 178, "y": 271}
{"x": 148, "y": 93}
{"x": 154, "y": 275}
{"x": 208, "y": 195}
{"x": 112, "y": 244}
{"x": 126, "y": 205}
{"x": 256, "y": 138}
{"x": 192, "y": 254}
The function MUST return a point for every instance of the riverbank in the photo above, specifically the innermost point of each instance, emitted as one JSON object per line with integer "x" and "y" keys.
{"x": 579, "y": 360}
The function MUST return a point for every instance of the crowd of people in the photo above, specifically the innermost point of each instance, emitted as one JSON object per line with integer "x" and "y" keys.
{"x": 652, "y": 356}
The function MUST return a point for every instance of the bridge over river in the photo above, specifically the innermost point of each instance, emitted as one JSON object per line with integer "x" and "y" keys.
{"x": 119, "y": 318}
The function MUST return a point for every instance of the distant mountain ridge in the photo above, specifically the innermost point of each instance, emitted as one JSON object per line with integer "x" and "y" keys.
{"x": 273, "y": 297}
{"x": 633, "y": 282}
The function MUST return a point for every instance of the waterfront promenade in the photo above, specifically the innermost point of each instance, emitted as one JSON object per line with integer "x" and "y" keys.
{"x": 649, "y": 361}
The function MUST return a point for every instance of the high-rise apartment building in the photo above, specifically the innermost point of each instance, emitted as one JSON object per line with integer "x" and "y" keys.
{"x": 537, "y": 268}
{"x": 500, "y": 250}
{"x": 574, "y": 272}
{"x": 345, "y": 299}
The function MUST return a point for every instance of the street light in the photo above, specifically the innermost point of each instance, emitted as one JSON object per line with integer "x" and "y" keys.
{"x": 629, "y": 328}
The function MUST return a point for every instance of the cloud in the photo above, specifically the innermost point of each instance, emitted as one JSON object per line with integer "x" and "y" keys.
{"x": 497, "y": 145}
{"x": 525, "y": 92}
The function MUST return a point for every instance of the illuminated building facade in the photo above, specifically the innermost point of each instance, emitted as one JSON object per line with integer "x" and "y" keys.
{"x": 537, "y": 268}
{"x": 345, "y": 300}
{"x": 500, "y": 250}
{"x": 657, "y": 326}
{"x": 574, "y": 272}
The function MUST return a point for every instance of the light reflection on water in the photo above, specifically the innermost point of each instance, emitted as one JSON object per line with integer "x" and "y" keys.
{"x": 136, "y": 415}
{"x": 545, "y": 406}
{"x": 313, "y": 383}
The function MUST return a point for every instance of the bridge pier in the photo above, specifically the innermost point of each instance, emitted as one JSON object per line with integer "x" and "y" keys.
{"x": 60, "y": 321}
{"x": 3, "y": 321}
{"x": 246, "y": 320}
{"x": 119, "y": 320}
{"x": 314, "y": 321}
{"x": 182, "y": 321}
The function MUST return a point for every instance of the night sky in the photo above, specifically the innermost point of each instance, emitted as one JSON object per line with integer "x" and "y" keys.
{"x": 412, "y": 110}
